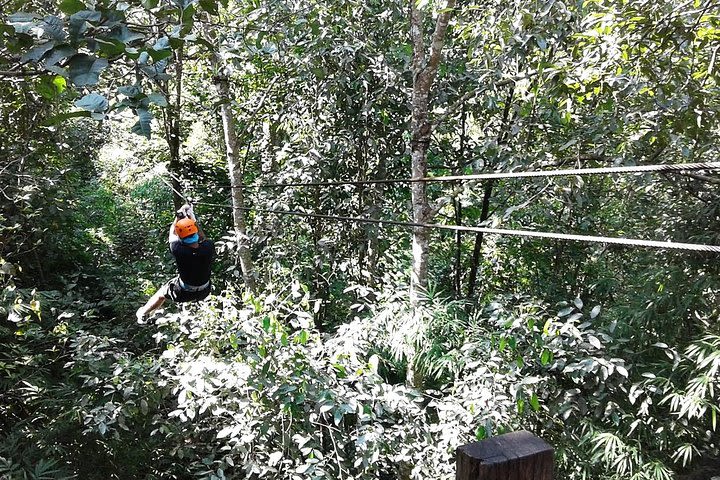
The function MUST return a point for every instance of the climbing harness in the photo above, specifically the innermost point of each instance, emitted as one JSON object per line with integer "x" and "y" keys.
{"x": 193, "y": 288}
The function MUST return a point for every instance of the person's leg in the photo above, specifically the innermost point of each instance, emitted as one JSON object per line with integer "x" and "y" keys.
{"x": 155, "y": 302}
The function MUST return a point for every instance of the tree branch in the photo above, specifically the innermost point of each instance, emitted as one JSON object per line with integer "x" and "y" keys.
{"x": 416, "y": 36}
{"x": 20, "y": 73}
{"x": 702, "y": 178}
{"x": 438, "y": 39}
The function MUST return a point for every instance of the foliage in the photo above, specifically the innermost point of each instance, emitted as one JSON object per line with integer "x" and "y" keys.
{"x": 611, "y": 354}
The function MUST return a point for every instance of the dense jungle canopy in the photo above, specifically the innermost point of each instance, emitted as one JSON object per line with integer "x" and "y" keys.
{"x": 346, "y": 349}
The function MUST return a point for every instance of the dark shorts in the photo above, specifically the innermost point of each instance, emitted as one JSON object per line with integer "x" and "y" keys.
{"x": 175, "y": 292}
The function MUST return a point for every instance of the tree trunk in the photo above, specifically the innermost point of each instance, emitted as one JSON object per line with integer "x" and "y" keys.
{"x": 236, "y": 182}
{"x": 477, "y": 249}
{"x": 487, "y": 195}
{"x": 458, "y": 206}
{"x": 424, "y": 69}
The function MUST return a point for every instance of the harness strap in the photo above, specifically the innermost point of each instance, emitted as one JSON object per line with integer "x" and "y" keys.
{"x": 193, "y": 288}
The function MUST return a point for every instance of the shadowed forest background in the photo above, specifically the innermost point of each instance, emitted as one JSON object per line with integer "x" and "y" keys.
{"x": 349, "y": 350}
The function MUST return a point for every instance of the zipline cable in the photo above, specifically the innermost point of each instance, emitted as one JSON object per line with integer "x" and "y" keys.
{"x": 496, "y": 231}
{"x": 663, "y": 168}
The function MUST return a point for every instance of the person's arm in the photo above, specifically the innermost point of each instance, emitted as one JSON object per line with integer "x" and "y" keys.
{"x": 191, "y": 214}
{"x": 172, "y": 236}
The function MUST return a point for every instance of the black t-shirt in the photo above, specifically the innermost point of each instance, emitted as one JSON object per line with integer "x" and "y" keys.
{"x": 193, "y": 263}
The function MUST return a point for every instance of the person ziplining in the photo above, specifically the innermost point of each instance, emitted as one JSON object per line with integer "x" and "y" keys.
{"x": 194, "y": 255}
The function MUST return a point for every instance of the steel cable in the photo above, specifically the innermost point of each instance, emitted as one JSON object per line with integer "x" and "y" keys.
{"x": 495, "y": 231}
{"x": 664, "y": 168}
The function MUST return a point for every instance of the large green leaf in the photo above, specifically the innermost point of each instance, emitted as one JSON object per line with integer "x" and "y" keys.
{"x": 125, "y": 35}
{"x": 48, "y": 87}
{"x": 130, "y": 91}
{"x": 210, "y": 6}
{"x": 158, "y": 99}
{"x": 71, "y": 6}
{"x": 58, "y": 54}
{"x": 161, "y": 49}
{"x": 93, "y": 102}
{"x": 86, "y": 16}
{"x": 156, "y": 70}
{"x": 79, "y": 22}
{"x": 188, "y": 20}
{"x": 110, "y": 46}
{"x": 53, "y": 27}
{"x": 143, "y": 125}
{"x": 85, "y": 69}
{"x": 23, "y": 22}
{"x": 37, "y": 52}
{"x": 58, "y": 119}
{"x": 158, "y": 55}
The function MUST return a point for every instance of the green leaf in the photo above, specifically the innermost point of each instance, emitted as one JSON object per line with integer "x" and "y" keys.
{"x": 150, "y": 4}
{"x": 53, "y": 27}
{"x": 158, "y": 55}
{"x": 85, "y": 69}
{"x": 110, "y": 46}
{"x": 123, "y": 34}
{"x": 130, "y": 91}
{"x": 50, "y": 87}
{"x": 338, "y": 415}
{"x": 480, "y": 433}
{"x": 59, "y": 54}
{"x": 143, "y": 125}
{"x": 534, "y": 402}
{"x": 93, "y": 102}
{"x": 210, "y": 6}
{"x": 162, "y": 43}
{"x": 58, "y": 119}
{"x": 158, "y": 99}
{"x": 60, "y": 84}
{"x": 188, "y": 20}
{"x": 37, "y": 52}
{"x": 520, "y": 405}
{"x": 79, "y": 22}
{"x": 546, "y": 357}
{"x": 46, "y": 88}
{"x": 71, "y": 6}
{"x": 86, "y": 16}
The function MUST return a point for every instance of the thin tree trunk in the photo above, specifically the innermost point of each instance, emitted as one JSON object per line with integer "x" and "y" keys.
{"x": 424, "y": 69}
{"x": 458, "y": 206}
{"x": 375, "y": 197}
{"x": 477, "y": 249}
{"x": 236, "y": 182}
{"x": 487, "y": 195}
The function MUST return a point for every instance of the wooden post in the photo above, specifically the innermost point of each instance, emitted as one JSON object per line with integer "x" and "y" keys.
{"x": 513, "y": 456}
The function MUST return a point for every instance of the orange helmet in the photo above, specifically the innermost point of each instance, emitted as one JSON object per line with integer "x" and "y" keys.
{"x": 185, "y": 227}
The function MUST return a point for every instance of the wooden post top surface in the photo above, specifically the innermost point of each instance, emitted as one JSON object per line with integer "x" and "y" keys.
{"x": 513, "y": 456}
